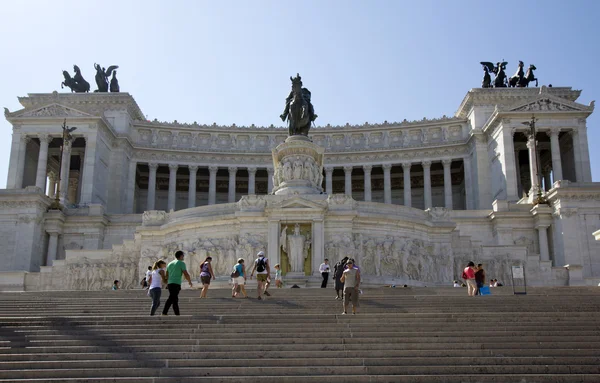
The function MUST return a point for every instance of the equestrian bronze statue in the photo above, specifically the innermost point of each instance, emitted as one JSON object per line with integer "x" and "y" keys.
{"x": 299, "y": 111}
{"x": 522, "y": 79}
{"x": 76, "y": 83}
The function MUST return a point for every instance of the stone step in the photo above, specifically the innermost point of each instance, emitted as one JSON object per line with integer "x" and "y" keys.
{"x": 262, "y": 371}
{"x": 342, "y": 378}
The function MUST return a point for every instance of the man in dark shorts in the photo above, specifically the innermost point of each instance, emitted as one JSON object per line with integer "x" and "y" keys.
{"x": 263, "y": 271}
{"x": 338, "y": 270}
{"x": 351, "y": 280}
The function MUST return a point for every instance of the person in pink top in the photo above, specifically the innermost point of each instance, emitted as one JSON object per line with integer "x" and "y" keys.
{"x": 469, "y": 276}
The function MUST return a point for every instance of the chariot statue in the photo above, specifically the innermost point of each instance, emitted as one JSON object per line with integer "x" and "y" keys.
{"x": 76, "y": 83}
{"x": 102, "y": 76}
{"x": 498, "y": 70}
{"x": 522, "y": 79}
{"x": 298, "y": 111}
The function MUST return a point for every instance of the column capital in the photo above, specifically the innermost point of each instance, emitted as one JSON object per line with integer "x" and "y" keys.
{"x": 426, "y": 164}
{"x": 252, "y": 169}
{"x": 233, "y": 169}
{"x": 153, "y": 166}
{"x": 348, "y": 168}
{"x": 406, "y": 165}
{"x": 367, "y": 168}
{"x": 386, "y": 166}
{"x": 553, "y": 132}
{"x": 530, "y": 144}
{"x": 173, "y": 167}
{"x": 193, "y": 168}
{"x": 328, "y": 169}
{"x": 213, "y": 168}
{"x": 45, "y": 138}
{"x": 25, "y": 139}
{"x": 270, "y": 171}
{"x": 446, "y": 162}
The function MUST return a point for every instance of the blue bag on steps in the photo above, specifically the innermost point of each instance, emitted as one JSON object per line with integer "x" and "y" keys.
{"x": 485, "y": 290}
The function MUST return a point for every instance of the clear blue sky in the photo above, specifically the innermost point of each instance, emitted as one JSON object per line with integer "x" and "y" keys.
{"x": 230, "y": 62}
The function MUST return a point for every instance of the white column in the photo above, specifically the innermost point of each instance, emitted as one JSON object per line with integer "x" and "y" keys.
{"x": 555, "y": 151}
{"x": 151, "y": 186}
{"x": 15, "y": 152}
{"x": 348, "y": 180}
{"x": 64, "y": 171}
{"x": 585, "y": 152}
{"x": 270, "y": 173}
{"x": 427, "y": 183}
{"x": 273, "y": 245}
{"x": 21, "y": 162}
{"x": 251, "y": 180}
{"x": 508, "y": 166}
{"x": 577, "y": 156}
{"x": 52, "y": 186}
{"x": 52, "y": 248}
{"x": 543, "y": 239}
{"x": 329, "y": 180}
{"x": 42, "y": 171}
{"x": 407, "y": 192}
{"x": 387, "y": 183}
{"x": 367, "y": 170}
{"x": 87, "y": 189}
{"x": 172, "y": 186}
{"x": 231, "y": 190}
{"x": 518, "y": 173}
{"x": 192, "y": 186}
{"x": 129, "y": 204}
{"x": 468, "y": 183}
{"x": 447, "y": 184}
{"x": 533, "y": 166}
{"x": 212, "y": 185}
{"x": 318, "y": 246}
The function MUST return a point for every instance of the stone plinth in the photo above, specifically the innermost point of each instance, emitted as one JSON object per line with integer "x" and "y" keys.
{"x": 298, "y": 164}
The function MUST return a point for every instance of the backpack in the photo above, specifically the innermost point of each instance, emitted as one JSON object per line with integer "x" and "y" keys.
{"x": 260, "y": 264}
{"x": 235, "y": 273}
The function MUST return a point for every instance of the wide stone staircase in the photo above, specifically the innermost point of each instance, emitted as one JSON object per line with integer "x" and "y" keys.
{"x": 299, "y": 335}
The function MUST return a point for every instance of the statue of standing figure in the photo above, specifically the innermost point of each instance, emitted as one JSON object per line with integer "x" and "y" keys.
{"x": 296, "y": 253}
{"x": 498, "y": 70}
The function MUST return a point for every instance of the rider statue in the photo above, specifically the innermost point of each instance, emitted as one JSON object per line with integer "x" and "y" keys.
{"x": 299, "y": 110}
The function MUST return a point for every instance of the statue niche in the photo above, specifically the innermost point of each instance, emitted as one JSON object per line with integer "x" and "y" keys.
{"x": 296, "y": 249}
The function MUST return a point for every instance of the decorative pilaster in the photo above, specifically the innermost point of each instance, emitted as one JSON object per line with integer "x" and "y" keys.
{"x": 533, "y": 167}
{"x": 24, "y": 140}
{"x": 427, "y": 183}
{"x": 367, "y": 170}
{"x": 387, "y": 183}
{"x": 555, "y": 151}
{"x": 270, "y": 174}
{"x": 13, "y": 166}
{"x": 543, "y": 239}
{"x": 172, "y": 186}
{"x": 577, "y": 156}
{"x": 468, "y": 183}
{"x": 251, "y": 180}
{"x": 131, "y": 175}
{"x": 151, "y": 186}
{"x": 508, "y": 165}
{"x": 231, "y": 190}
{"x": 407, "y": 192}
{"x": 447, "y": 184}
{"x": 582, "y": 146}
{"x": 52, "y": 187}
{"x": 64, "y": 171}
{"x": 52, "y": 248}
{"x": 40, "y": 178}
{"x": 329, "y": 180}
{"x": 87, "y": 188}
{"x": 192, "y": 186}
{"x": 212, "y": 185}
{"x": 348, "y": 180}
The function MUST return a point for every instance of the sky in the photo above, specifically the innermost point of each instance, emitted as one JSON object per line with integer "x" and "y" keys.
{"x": 230, "y": 61}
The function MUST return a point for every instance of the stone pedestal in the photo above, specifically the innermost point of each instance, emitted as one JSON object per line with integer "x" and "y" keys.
{"x": 298, "y": 165}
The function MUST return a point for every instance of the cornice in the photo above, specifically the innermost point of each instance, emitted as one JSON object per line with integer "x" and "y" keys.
{"x": 508, "y": 96}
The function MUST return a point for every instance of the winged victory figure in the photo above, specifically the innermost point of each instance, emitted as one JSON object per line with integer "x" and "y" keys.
{"x": 102, "y": 76}
{"x": 498, "y": 70}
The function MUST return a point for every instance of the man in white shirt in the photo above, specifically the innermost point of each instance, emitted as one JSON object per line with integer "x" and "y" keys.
{"x": 324, "y": 270}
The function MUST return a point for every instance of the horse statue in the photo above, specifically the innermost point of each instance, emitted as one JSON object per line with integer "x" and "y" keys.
{"x": 77, "y": 83}
{"x": 298, "y": 109}
{"x": 102, "y": 76}
{"x": 529, "y": 76}
{"x": 498, "y": 70}
{"x": 517, "y": 79}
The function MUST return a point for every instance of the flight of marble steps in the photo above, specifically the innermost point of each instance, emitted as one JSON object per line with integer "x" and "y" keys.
{"x": 299, "y": 335}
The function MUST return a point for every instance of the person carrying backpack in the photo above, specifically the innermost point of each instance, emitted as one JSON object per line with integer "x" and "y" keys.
{"x": 263, "y": 270}
{"x": 338, "y": 270}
